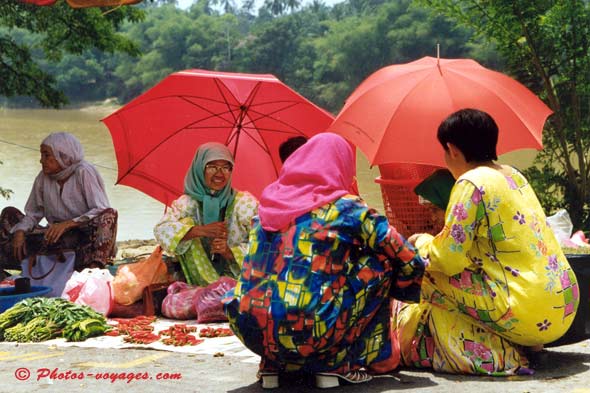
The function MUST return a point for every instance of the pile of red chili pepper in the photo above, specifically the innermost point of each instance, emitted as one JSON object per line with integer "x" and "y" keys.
{"x": 178, "y": 335}
{"x": 137, "y": 330}
{"x": 215, "y": 332}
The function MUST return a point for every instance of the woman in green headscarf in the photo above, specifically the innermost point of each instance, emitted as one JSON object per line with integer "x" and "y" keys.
{"x": 207, "y": 227}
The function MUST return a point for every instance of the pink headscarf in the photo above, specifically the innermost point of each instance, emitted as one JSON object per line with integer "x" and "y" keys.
{"x": 319, "y": 172}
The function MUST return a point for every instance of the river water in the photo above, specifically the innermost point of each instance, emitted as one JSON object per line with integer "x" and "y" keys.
{"x": 21, "y": 132}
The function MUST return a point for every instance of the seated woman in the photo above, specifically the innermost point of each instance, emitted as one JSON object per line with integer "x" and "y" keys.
{"x": 497, "y": 286}
{"x": 207, "y": 227}
{"x": 70, "y": 194}
{"x": 314, "y": 295}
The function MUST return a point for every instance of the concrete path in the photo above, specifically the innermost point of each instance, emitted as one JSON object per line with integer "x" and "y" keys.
{"x": 48, "y": 368}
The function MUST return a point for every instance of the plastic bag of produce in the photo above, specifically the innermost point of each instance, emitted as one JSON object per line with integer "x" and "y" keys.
{"x": 208, "y": 301}
{"x": 180, "y": 301}
{"x": 131, "y": 279}
{"x": 91, "y": 287}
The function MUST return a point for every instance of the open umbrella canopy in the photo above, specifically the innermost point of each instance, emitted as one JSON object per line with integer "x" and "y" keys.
{"x": 394, "y": 114}
{"x": 157, "y": 134}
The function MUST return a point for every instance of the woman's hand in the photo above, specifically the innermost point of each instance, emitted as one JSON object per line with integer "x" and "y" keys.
{"x": 18, "y": 245}
{"x": 219, "y": 246}
{"x": 213, "y": 230}
{"x": 55, "y": 231}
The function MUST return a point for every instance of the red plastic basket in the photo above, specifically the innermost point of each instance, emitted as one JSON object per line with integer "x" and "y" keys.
{"x": 402, "y": 207}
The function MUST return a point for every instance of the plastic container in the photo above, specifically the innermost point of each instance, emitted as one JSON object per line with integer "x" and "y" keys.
{"x": 580, "y": 329}
{"x": 9, "y": 299}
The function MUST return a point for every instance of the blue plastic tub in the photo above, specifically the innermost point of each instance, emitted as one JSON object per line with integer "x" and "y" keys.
{"x": 9, "y": 299}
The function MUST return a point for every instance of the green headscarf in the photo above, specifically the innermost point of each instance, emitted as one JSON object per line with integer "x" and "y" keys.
{"x": 437, "y": 187}
{"x": 194, "y": 182}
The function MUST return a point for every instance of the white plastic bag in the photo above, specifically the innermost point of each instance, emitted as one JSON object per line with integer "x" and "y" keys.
{"x": 562, "y": 226}
{"x": 91, "y": 287}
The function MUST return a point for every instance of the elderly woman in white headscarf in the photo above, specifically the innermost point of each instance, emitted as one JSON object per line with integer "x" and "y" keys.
{"x": 207, "y": 227}
{"x": 70, "y": 194}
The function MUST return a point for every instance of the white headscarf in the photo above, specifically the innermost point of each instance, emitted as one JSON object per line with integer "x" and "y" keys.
{"x": 68, "y": 152}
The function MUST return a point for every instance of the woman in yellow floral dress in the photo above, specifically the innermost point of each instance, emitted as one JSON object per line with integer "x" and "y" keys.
{"x": 497, "y": 285}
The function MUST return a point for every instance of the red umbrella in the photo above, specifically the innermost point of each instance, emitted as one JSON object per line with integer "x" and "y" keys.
{"x": 39, "y": 2}
{"x": 156, "y": 135}
{"x": 394, "y": 114}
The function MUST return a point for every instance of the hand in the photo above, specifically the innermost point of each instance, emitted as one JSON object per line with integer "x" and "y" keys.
{"x": 214, "y": 230}
{"x": 219, "y": 246}
{"x": 18, "y": 245}
{"x": 55, "y": 231}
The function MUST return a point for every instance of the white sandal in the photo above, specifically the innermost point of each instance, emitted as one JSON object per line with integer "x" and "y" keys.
{"x": 269, "y": 380}
{"x": 332, "y": 380}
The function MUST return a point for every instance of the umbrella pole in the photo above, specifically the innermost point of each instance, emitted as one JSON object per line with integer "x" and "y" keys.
{"x": 438, "y": 57}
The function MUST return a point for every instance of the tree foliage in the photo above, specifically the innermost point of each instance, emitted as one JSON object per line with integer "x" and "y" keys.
{"x": 322, "y": 52}
{"x": 546, "y": 46}
{"x": 54, "y": 31}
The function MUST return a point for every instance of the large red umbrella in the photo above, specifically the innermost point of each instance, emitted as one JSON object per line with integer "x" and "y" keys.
{"x": 157, "y": 134}
{"x": 394, "y": 114}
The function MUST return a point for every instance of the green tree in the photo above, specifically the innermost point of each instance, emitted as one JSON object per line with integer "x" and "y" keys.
{"x": 374, "y": 36}
{"x": 60, "y": 29}
{"x": 279, "y": 7}
{"x": 172, "y": 40}
{"x": 546, "y": 46}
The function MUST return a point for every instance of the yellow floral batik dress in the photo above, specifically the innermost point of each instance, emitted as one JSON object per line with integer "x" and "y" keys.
{"x": 496, "y": 280}
{"x": 193, "y": 254}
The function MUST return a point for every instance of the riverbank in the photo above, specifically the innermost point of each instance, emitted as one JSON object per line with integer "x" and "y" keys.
{"x": 133, "y": 248}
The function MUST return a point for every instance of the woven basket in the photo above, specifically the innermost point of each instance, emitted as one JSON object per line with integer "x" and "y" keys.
{"x": 402, "y": 207}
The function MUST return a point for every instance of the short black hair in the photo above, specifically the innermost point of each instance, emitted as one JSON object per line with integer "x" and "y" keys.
{"x": 474, "y": 132}
{"x": 290, "y": 145}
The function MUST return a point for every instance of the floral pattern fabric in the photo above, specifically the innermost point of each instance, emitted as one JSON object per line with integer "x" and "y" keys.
{"x": 496, "y": 280}
{"x": 193, "y": 254}
{"x": 94, "y": 241}
{"x": 317, "y": 295}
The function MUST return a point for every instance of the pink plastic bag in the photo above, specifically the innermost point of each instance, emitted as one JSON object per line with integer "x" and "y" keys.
{"x": 180, "y": 301}
{"x": 208, "y": 301}
{"x": 91, "y": 287}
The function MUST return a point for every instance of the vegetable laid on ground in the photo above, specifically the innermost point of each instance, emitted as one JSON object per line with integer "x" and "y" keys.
{"x": 39, "y": 319}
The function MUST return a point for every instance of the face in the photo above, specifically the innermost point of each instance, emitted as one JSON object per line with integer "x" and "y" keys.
{"x": 48, "y": 162}
{"x": 437, "y": 215}
{"x": 217, "y": 174}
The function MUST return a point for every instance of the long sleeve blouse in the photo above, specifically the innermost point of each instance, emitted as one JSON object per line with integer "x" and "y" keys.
{"x": 81, "y": 198}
